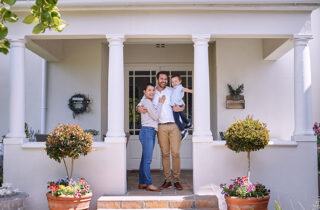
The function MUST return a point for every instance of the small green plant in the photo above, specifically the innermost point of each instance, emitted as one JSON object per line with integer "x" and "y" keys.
{"x": 92, "y": 131}
{"x": 277, "y": 205}
{"x": 68, "y": 141}
{"x": 235, "y": 92}
{"x": 246, "y": 136}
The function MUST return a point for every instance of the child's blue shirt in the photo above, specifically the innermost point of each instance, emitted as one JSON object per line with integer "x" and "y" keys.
{"x": 177, "y": 95}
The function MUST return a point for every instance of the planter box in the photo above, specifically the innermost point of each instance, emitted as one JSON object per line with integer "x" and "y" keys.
{"x": 41, "y": 137}
{"x": 14, "y": 202}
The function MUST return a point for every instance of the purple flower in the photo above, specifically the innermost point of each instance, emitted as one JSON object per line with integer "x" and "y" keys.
{"x": 230, "y": 187}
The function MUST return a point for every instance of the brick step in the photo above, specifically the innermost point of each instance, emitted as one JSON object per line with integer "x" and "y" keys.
{"x": 159, "y": 202}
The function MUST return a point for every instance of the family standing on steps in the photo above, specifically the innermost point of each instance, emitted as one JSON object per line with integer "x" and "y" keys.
{"x": 161, "y": 109}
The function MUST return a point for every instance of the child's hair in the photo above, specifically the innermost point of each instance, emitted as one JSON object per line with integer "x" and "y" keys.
{"x": 176, "y": 75}
{"x": 146, "y": 86}
{"x": 162, "y": 72}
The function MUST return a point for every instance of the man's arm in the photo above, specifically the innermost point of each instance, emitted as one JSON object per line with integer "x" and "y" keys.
{"x": 140, "y": 108}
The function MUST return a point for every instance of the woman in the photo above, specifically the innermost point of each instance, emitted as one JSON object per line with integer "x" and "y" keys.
{"x": 149, "y": 122}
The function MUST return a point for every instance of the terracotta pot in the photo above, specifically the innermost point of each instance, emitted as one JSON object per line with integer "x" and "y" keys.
{"x": 68, "y": 202}
{"x": 235, "y": 203}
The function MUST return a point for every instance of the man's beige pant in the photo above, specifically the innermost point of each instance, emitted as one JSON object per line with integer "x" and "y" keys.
{"x": 169, "y": 137}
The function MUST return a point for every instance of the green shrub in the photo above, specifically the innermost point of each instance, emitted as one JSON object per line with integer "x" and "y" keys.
{"x": 247, "y": 135}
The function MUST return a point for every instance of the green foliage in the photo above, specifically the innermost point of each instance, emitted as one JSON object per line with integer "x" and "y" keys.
{"x": 68, "y": 141}
{"x": 43, "y": 12}
{"x": 247, "y": 135}
{"x": 235, "y": 92}
{"x": 92, "y": 131}
{"x": 26, "y": 130}
{"x": 277, "y": 205}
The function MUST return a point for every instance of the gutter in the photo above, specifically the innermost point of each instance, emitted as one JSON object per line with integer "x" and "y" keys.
{"x": 121, "y": 5}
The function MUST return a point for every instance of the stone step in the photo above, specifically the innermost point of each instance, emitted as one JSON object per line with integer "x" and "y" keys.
{"x": 159, "y": 202}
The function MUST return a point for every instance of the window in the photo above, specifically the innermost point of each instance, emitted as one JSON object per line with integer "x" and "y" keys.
{"x": 137, "y": 79}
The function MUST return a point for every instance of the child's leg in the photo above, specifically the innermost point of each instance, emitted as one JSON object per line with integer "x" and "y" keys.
{"x": 176, "y": 117}
{"x": 184, "y": 118}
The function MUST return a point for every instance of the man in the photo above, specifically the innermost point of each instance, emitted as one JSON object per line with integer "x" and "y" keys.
{"x": 169, "y": 135}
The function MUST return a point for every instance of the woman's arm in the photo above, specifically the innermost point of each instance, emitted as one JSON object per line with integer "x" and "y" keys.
{"x": 153, "y": 112}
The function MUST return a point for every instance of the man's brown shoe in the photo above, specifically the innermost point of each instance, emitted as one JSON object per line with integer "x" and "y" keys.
{"x": 165, "y": 185}
{"x": 142, "y": 186}
{"x": 178, "y": 186}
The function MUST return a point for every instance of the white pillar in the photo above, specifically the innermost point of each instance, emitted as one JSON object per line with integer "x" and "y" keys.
{"x": 44, "y": 97}
{"x": 116, "y": 87}
{"x": 16, "y": 90}
{"x": 302, "y": 87}
{"x": 201, "y": 116}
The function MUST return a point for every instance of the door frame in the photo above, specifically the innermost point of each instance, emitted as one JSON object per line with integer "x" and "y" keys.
{"x": 156, "y": 159}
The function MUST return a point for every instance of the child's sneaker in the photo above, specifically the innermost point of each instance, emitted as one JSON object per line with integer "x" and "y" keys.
{"x": 184, "y": 135}
{"x": 189, "y": 125}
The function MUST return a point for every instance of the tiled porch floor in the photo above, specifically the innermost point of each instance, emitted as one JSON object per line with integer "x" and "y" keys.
{"x": 158, "y": 179}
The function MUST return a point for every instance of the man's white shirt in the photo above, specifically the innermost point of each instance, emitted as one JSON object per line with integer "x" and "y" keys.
{"x": 166, "y": 114}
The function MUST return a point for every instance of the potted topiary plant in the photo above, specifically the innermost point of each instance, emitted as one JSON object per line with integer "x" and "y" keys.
{"x": 246, "y": 136}
{"x": 68, "y": 141}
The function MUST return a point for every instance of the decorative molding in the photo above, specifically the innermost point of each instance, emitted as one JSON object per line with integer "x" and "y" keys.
{"x": 201, "y": 39}
{"x": 208, "y": 5}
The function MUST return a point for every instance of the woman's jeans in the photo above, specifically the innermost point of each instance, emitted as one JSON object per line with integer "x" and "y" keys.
{"x": 147, "y": 139}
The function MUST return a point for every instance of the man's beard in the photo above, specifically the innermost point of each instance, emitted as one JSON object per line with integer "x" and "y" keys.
{"x": 163, "y": 84}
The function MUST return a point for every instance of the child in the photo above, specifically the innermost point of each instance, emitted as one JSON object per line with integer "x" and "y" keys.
{"x": 176, "y": 99}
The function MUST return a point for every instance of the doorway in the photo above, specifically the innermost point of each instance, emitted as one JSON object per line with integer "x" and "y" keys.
{"x": 136, "y": 75}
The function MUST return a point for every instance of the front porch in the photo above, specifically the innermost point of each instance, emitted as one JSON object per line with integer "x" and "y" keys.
{"x": 211, "y": 70}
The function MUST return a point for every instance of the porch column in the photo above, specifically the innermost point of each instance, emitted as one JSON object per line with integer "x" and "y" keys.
{"x": 201, "y": 116}
{"x": 116, "y": 87}
{"x": 16, "y": 91}
{"x": 302, "y": 88}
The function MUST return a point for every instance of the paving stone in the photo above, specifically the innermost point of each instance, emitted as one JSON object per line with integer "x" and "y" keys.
{"x": 156, "y": 204}
{"x": 109, "y": 204}
{"x": 181, "y": 204}
{"x": 132, "y": 204}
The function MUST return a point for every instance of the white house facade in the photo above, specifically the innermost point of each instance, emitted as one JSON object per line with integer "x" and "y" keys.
{"x": 111, "y": 48}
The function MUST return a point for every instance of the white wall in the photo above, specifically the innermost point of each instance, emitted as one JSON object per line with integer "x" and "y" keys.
{"x": 290, "y": 172}
{"x": 268, "y": 85}
{"x": 79, "y": 72}
{"x": 315, "y": 65}
{"x": 32, "y": 169}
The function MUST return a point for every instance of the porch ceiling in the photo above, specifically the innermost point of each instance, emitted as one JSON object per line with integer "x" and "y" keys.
{"x": 50, "y": 47}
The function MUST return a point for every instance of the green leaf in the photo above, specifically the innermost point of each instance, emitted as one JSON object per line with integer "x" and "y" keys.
{"x": 45, "y": 16}
{"x": 11, "y": 2}
{"x": 3, "y": 32}
{"x": 11, "y": 17}
{"x": 56, "y": 21}
{"x": 39, "y": 2}
{"x": 38, "y": 28}
{"x": 7, "y": 43}
{"x": 60, "y": 27}
{"x": 4, "y": 50}
{"x": 30, "y": 19}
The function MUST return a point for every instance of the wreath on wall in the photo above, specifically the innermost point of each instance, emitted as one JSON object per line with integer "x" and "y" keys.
{"x": 78, "y": 104}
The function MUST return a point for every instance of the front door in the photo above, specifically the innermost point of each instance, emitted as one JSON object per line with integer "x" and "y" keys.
{"x": 136, "y": 77}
